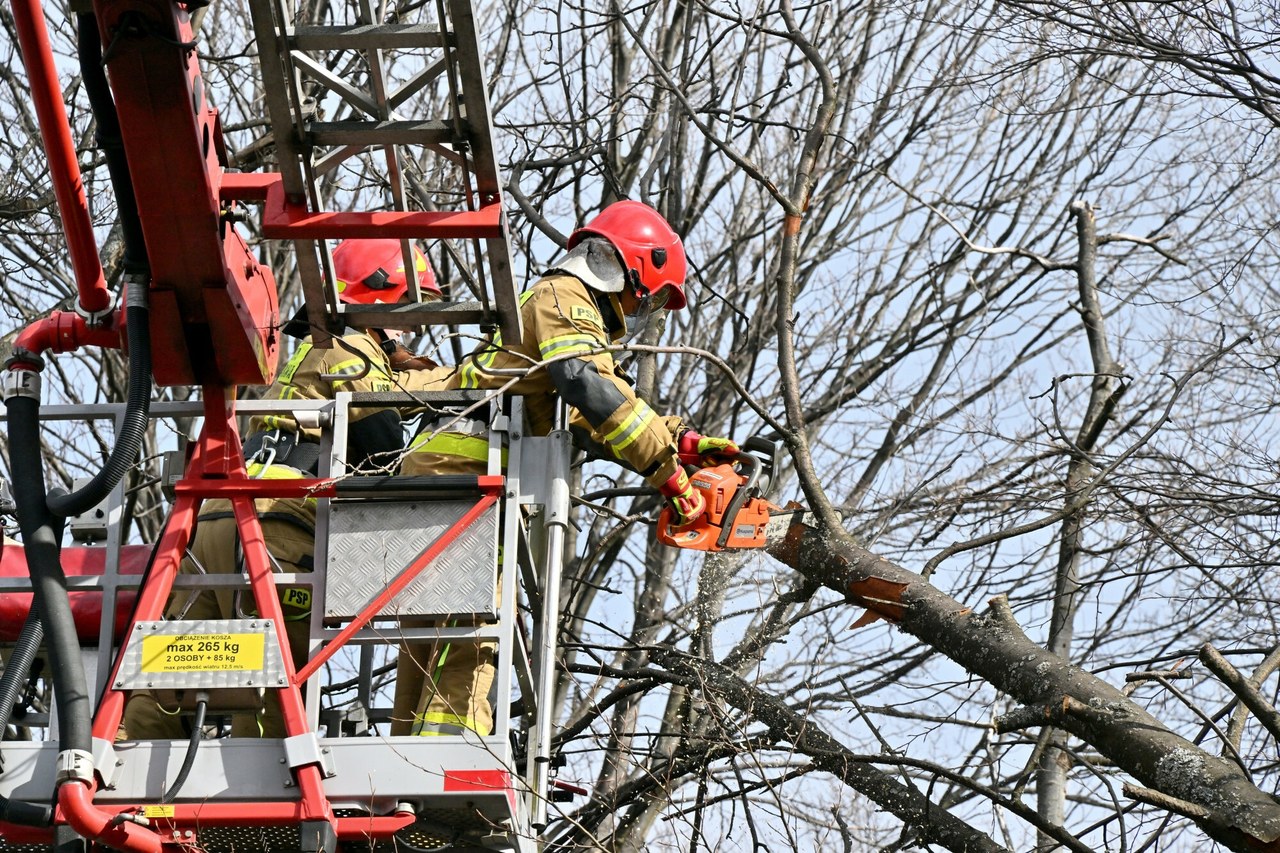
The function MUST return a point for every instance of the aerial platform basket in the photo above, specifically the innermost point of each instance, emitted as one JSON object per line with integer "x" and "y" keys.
{"x": 337, "y": 778}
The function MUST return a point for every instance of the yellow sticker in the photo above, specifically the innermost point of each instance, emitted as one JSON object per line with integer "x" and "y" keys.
{"x": 582, "y": 312}
{"x": 296, "y": 598}
{"x": 203, "y": 652}
{"x": 157, "y": 811}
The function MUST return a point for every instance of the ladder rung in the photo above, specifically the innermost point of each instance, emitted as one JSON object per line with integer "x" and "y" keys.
{"x": 282, "y": 220}
{"x": 429, "y": 132}
{"x": 419, "y": 314}
{"x": 367, "y": 37}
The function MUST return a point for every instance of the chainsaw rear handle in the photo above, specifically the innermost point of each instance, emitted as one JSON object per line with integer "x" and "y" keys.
{"x": 751, "y": 465}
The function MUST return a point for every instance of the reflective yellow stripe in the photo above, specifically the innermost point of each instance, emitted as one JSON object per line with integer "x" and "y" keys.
{"x": 567, "y": 345}
{"x": 440, "y": 718}
{"x": 350, "y": 366}
{"x": 276, "y": 472}
{"x": 291, "y": 368}
{"x": 631, "y": 427}
{"x": 470, "y": 372}
{"x": 452, "y": 444}
{"x": 287, "y": 392}
{"x": 471, "y": 366}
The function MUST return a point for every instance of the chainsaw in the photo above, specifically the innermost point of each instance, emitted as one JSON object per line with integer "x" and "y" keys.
{"x": 737, "y": 510}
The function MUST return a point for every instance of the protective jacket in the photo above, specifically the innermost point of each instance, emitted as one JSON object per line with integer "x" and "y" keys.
{"x": 566, "y": 324}
{"x": 444, "y": 690}
{"x": 355, "y": 363}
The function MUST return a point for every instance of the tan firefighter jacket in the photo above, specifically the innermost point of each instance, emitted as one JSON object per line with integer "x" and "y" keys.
{"x": 564, "y": 329}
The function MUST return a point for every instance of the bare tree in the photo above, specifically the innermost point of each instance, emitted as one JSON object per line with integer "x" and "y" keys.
{"x": 890, "y": 214}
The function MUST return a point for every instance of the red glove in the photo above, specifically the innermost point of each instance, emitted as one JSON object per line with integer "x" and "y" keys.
{"x": 686, "y": 503}
{"x": 704, "y": 451}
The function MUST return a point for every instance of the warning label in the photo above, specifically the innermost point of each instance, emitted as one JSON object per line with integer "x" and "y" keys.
{"x": 203, "y": 652}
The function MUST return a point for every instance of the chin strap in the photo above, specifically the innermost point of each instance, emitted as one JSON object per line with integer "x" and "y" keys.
{"x": 389, "y": 347}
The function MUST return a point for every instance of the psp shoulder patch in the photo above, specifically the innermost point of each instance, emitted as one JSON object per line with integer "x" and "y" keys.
{"x": 586, "y": 314}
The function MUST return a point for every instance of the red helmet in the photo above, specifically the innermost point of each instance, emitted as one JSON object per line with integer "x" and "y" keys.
{"x": 648, "y": 245}
{"x": 370, "y": 272}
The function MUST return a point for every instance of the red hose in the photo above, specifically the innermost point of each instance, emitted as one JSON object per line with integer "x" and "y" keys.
{"x": 64, "y": 331}
{"x": 75, "y": 800}
{"x": 64, "y": 168}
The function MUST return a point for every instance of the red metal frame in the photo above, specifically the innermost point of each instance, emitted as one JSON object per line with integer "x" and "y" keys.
{"x": 214, "y": 311}
{"x": 217, "y": 470}
{"x": 283, "y": 219}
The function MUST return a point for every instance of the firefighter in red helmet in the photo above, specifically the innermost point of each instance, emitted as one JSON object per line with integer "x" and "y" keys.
{"x": 620, "y": 267}
{"x": 277, "y": 446}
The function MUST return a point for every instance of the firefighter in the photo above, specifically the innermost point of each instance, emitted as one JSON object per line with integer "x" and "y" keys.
{"x": 623, "y": 266}
{"x": 279, "y": 447}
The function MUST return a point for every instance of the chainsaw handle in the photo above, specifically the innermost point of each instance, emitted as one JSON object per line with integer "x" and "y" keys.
{"x": 751, "y": 466}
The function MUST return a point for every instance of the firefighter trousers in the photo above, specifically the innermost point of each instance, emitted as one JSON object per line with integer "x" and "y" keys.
{"x": 443, "y": 688}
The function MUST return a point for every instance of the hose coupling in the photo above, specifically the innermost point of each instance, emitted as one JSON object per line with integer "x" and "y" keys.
{"x": 135, "y": 290}
{"x": 73, "y": 765}
{"x": 18, "y": 382}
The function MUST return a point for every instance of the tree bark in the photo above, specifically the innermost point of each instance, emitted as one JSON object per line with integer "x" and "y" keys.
{"x": 1105, "y": 388}
{"x": 993, "y": 647}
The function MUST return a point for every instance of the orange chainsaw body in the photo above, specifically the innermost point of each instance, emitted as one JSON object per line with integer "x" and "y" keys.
{"x": 734, "y": 517}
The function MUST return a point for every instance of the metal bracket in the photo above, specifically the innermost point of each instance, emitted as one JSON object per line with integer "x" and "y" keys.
{"x": 91, "y": 525}
{"x": 301, "y": 750}
{"x": 96, "y": 318}
{"x": 73, "y": 764}
{"x": 106, "y": 762}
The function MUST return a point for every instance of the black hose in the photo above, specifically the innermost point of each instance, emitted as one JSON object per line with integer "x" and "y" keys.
{"x": 108, "y": 138}
{"x": 136, "y": 267}
{"x": 41, "y": 516}
{"x": 18, "y": 666}
{"x": 132, "y": 431}
{"x": 41, "y": 535}
{"x": 197, "y": 733}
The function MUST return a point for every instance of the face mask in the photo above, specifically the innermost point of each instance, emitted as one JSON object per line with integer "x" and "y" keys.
{"x": 649, "y": 305}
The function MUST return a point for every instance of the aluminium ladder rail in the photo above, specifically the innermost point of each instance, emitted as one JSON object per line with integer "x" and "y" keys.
{"x": 441, "y": 170}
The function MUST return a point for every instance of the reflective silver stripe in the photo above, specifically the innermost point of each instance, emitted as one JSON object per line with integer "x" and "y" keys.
{"x": 461, "y": 426}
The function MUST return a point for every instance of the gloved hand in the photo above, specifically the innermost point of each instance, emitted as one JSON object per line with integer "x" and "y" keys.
{"x": 686, "y": 504}
{"x": 704, "y": 450}
{"x": 402, "y": 358}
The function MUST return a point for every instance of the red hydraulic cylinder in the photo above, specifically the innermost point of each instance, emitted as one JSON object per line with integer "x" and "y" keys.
{"x": 64, "y": 168}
